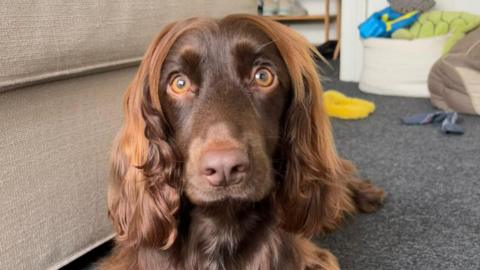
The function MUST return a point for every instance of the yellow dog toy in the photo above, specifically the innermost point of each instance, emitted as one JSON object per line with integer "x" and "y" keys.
{"x": 340, "y": 106}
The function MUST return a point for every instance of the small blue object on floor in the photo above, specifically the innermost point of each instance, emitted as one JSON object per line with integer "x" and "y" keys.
{"x": 448, "y": 121}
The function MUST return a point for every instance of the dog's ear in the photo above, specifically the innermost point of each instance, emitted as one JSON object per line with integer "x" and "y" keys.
{"x": 144, "y": 190}
{"x": 313, "y": 195}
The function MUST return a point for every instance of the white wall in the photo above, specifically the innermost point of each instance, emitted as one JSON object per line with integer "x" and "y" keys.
{"x": 356, "y": 11}
{"x": 315, "y": 31}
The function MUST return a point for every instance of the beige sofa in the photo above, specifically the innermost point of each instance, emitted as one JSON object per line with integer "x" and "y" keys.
{"x": 63, "y": 68}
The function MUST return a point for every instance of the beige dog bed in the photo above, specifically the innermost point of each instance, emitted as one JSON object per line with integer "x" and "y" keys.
{"x": 399, "y": 67}
{"x": 454, "y": 81}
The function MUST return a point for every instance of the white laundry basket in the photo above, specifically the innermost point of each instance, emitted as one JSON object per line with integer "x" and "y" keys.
{"x": 399, "y": 67}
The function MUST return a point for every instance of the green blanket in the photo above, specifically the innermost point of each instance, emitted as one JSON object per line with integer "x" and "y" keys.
{"x": 437, "y": 23}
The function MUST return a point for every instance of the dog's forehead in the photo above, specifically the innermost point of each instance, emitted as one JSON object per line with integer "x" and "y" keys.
{"x": 244, "y": 32}
{"x": 223, "y": 39}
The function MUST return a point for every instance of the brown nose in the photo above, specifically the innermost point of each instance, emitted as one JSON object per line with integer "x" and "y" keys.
{"x": 224, "y": 167}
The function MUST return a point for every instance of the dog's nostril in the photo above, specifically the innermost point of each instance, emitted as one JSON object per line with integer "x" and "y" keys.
{"x": 239, "y": 169}
{"x": 210, "y": 171}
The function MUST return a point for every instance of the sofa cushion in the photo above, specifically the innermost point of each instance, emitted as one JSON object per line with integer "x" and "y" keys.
{"x": 55, "y": 142}
{"x": 45, "y": 40}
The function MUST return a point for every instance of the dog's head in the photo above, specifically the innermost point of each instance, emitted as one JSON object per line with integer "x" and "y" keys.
{"x": 221, "y": 110}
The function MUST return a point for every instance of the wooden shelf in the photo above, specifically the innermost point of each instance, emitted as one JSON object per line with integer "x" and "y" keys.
{"x": 322, "y": 18}
{"x": 305, "y": 18}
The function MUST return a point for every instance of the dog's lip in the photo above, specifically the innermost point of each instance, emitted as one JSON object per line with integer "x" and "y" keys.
{"x": 206, "y": 188}
{"x": 210, "y": 196}
{"x": 235, "y": 183}
{"x": 206, "y": 193}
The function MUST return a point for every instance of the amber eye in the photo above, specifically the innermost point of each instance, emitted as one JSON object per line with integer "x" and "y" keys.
{"x": 180, "y": 84}
{"x": 263, "y": 77}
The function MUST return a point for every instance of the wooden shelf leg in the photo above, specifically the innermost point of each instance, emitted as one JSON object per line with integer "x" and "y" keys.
{"x": 327, "y": 20}
{"x": 338, "y": 27}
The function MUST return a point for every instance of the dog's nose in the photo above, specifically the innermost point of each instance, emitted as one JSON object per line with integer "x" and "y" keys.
{"x": 224, "y": 167}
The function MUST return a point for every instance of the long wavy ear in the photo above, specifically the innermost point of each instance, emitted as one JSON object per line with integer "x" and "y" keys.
{"x": 314, "y": 193}
{"x": 144, "y": 190}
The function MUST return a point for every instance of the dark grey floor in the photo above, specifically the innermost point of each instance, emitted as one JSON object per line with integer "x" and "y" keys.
{"x": 431, "y": 219}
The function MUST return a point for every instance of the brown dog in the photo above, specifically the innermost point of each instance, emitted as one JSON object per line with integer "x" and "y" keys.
{"x": 226, "y": 159}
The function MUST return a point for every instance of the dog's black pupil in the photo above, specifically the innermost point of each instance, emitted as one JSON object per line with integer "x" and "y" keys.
{"x": 181, "y": 83}
{"x": 262, "y": 75}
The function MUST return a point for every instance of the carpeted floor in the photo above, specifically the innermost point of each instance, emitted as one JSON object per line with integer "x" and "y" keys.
{"x": 431, "y": 219}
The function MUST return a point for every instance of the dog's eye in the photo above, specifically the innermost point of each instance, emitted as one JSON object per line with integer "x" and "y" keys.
{"x": 180, "y": 84}
{"x": 264, "y": 77}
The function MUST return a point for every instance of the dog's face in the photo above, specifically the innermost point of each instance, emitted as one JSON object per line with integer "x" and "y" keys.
{"x": 224, "y": 92}
{"x": 216, "y": 109}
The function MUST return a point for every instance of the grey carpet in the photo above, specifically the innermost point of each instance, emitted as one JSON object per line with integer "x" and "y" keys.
{"x": 431, "y": 219}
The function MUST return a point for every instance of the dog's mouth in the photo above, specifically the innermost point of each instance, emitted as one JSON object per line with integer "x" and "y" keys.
{"x": 253, "y": 188}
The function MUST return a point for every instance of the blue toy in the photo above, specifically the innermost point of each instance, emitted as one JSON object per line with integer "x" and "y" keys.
{"x": 383, "y": 23}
